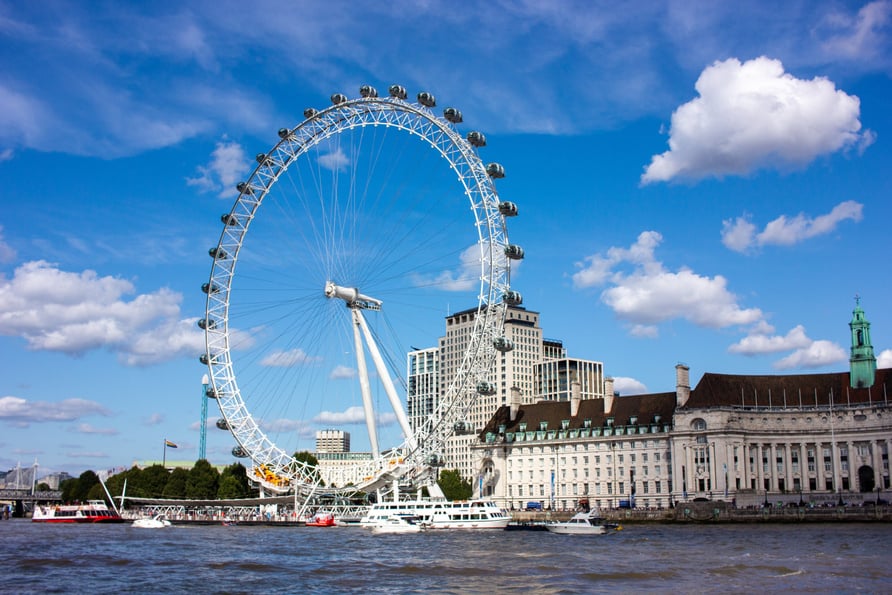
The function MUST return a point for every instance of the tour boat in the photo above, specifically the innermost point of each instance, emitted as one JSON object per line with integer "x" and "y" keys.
{"x": 156, "y": 522}
{"x": 398, "y": 524}
{"x": 441, "y": 514}
{"x": 321, "y": 520}
{"x": 94, "y": 511}
{"x": 582, "y": 523}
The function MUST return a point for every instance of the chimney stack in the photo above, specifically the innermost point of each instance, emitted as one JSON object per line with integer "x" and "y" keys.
{"x": 575, "y": 397}
{"x": 608, "y": 394}
{"x": 682, "y": 384}
{"x": 514, "y": 403}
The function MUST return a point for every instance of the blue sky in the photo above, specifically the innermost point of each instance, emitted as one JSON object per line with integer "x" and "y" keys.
{"x": 699, "y": 182}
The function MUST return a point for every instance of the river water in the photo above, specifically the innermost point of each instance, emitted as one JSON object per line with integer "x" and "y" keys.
{"x": 837, "y": 557}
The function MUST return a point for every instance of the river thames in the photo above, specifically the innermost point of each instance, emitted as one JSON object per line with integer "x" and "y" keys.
{"x": 833, "y": 557}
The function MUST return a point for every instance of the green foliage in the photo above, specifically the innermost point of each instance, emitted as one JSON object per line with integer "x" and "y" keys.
{"x": 176, "y": 484}
{"x": 43, "y": 487}
{"x": 453, "y": 486}
{"x": 203, "y": 480}
{"x": 234, "y": 483}
{"x": 78, "y": 490}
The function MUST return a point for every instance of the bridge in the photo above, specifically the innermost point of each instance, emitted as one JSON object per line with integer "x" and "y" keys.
{"x": 27, "y": 496}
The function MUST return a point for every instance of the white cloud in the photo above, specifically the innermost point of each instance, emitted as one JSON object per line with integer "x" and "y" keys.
{"x": 759, "y": 343}
{"x": 336, "y": 161}
{"x": 815, "y": 355}
{"x": 342, "y": 372}
{"x": 226, "y": 168}
{"x": 884, "y": 359}
{"x": 752, "y": 115}
{"x": 628, "y": 386}
{"x": 6, "y": 154}
{"x": 7, "y": 252}
{"x": 858, "y": 37}
{"x": 463, "y": 278}
{"x": 649, "y": 294}
{"x": 352, "y": 416}
{"x": 88, "y": 429}
{"x": 155, "y": 419}
{"x": 23, "y": 412}
{"x": 740, "y": 235}
{"x": 73, "y": 313}
{"x": 288, "y": 359}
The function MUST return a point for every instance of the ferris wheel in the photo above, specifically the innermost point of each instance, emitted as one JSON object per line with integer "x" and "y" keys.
{"x": 379, "y": 219}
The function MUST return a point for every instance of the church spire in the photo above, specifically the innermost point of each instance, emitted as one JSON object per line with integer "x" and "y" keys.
{"x": 862, "y": 363}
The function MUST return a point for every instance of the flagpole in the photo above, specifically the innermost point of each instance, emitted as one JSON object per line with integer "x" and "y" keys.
{"x": 164, "y": 457}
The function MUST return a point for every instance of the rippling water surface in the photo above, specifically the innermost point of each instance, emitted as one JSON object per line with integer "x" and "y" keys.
{"x": 840, "y": 558}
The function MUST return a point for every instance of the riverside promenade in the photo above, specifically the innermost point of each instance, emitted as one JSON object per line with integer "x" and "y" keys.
{"x": 722, "y": 512}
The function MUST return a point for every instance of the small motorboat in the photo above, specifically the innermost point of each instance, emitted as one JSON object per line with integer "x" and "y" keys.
{"x": 582, "y": 523}
{"x": 322, "y": 519}
{"x": 398, "y": 524}
{"x": 156, "y": 522}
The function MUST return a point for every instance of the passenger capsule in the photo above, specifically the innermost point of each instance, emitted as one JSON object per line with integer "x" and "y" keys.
{"x": 239, "y": 452}
{"x": 426, "y": 99}
{"x": 397, "y": 91}
{"x": 218, "y": 253}
{"x": 368, "y": 91}
{"x": 244, "y": 188}
{"x": 503, "y": 344}
{"x": 495, "y": 170}
{"x": 309, "y": 113}
{"x": 486, "y": 388}
{"x": 436, "y": 461}
{"x": 460, "y": 427}
{"x": 284, "y": 133}
{"x": 211, "y": 393}
{"x": 263, "y": 159}
{"x": 508, "y": 209}
{"x": 210, "y": 288}
{"x": 206, "y": 323}
{"x": 452, "y": 114}
{"x": 514, "y": 252}
{"x": 228, "y": 219}
{"x": 338, "y": 98}
{"x": 512, "y": 298}
{"x": 203, "y": 358}
{"x": 477, "y": 139}
{"x": 222, "y": 424}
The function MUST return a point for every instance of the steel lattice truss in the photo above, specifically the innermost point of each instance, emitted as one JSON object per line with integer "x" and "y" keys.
{"x": 276, "y": 469}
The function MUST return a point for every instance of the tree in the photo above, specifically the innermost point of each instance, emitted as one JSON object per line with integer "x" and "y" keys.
{"x": 154, "y": 480}
{"x": 176, "y": 484}
{"x": 234, "y": 482}
{"x": 453, "y": 486}
{"x": 79, "y": 489}
{"x": 43, "y": 487}
{"x": 202, "y": 483}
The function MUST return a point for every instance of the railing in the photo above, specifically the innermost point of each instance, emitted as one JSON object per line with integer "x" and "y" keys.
{"x": 27, "y": 496}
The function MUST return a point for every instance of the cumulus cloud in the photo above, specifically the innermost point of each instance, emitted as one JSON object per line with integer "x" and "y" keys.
{"x": 336, "y": 161}
{"x": 226, "y": 168}
{"x": 815, "y": 355}
{"x": 884, "y": 359}
{"x": 342, "y": 372}
{"x": 752, "y": 115}
{"x": 352, "y": 416}
{"x": 288, "y": 359}
{"x": 628, "y": 386}
{"x": 760, "y": 343}
{"x": 648, "y": 294}
{"x": 22, "y": 412}
{"x": 740, "y": 234}
{"x": 73, "y": 313}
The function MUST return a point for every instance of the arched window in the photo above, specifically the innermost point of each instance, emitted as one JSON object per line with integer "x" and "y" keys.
{"x": 698, "y": 424}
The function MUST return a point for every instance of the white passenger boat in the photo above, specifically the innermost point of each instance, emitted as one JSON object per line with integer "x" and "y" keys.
{"x": 156, "y": 522}
{"x": 94, "y": 511}
{"x": 441, "y": 514}
{"x": 398, "y": 524}
{"x": 582, "y": 523}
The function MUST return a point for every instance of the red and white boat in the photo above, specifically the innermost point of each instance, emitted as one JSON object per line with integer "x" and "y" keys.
{"x": 321, "y": 520}
{"x": 94, "y": 511}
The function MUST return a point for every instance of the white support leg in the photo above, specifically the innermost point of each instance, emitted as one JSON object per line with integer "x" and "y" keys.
{"x": 364, "y": 383}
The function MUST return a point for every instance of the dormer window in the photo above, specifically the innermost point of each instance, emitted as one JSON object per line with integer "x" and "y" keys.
{"x": 633, "y": 420}
{"x": 522, "y": 426}
{"x": 609, "y": 422}
{"x": 565, "y": 423}
{"x": 587, "y": 423}
{"x": 543, "y": 425}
